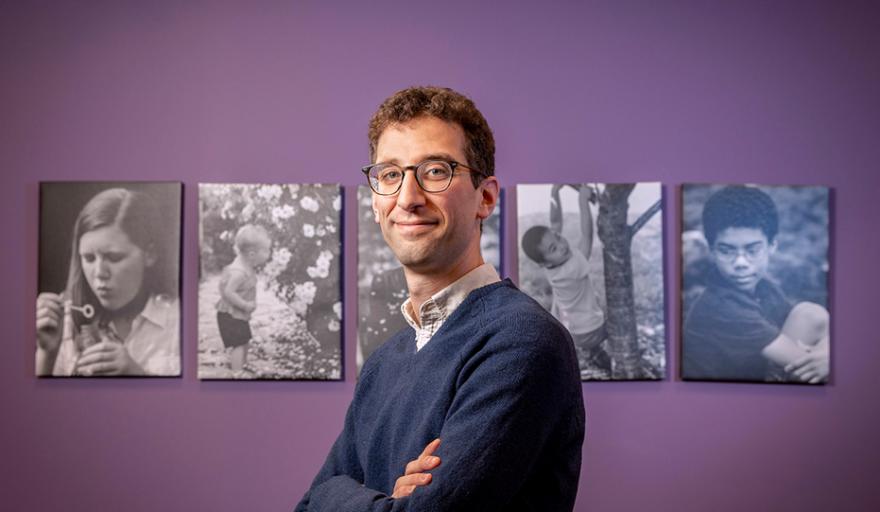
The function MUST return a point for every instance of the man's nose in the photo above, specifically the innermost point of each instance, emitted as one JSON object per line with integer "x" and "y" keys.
{"x": 410, "y": 194}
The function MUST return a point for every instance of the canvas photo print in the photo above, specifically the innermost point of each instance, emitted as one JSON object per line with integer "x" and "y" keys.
{"x": 592, "y": 254}
{"x": 381, "y": 284}
{"x": 270, "y": 297}
{"x": 755, "y": 283}
{"x": 108, "y": 287}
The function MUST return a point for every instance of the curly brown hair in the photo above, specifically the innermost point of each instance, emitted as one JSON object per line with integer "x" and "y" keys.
{"x": 447, "y": 105}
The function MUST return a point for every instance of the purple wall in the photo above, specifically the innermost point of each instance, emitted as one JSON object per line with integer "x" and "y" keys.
{"x": 616, "y": 91}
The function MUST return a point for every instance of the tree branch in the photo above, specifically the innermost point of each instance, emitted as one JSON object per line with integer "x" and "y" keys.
{"x": 644, "y": 218}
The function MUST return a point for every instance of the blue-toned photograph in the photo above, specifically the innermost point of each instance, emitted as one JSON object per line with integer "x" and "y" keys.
{"x": 755, "y": 283}
{"x": 592, "y": 254}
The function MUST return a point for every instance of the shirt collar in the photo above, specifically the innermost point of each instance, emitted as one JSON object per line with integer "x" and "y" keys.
{"x": 156, "y": 310}
{"x": 434, "y": 311}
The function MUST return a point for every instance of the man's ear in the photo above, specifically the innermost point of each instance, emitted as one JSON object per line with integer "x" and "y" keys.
{"x": 489, "y": 190}
{"x": 772, "y": 247}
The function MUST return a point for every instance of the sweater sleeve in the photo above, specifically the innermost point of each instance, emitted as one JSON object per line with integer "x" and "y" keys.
{"x": 516, "y": 418}
{"x": 339, "y": 477}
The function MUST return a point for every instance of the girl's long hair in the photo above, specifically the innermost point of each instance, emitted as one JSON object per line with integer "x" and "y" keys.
{"x": 136, "y": 214}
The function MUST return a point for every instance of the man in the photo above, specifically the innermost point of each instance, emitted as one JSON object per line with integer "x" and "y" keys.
{"x": 478, "y": 406}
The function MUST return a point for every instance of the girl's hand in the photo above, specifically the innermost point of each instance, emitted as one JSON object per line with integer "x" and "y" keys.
{"x": 50, "y": 321}
{"x": 107, "y": 358}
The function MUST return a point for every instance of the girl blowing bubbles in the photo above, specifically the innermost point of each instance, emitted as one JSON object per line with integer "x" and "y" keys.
{"x": 119, "y": 313}
{"x": 238, "y": 293}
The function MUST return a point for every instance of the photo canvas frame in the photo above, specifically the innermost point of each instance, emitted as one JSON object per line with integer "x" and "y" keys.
{"x": 291, "y": 324}
{"x": 592, "y": 254}
{"x": 108, "y": 301}
{"x": 754, "y": 298}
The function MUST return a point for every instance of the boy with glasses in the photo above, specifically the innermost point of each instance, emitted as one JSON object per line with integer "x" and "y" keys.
{"x": 742, "y": 326}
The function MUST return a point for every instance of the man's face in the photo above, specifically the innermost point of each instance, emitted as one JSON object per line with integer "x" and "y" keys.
{"x": 554, "y": 248}
{"x": 742, "y": 255}
{"x": 431, "y": 232}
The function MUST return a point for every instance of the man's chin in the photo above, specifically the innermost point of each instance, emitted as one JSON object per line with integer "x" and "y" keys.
{"x": 415, "y": 260}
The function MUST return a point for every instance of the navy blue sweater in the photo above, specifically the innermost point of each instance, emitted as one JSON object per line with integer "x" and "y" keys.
{"x": 498, "y": 383}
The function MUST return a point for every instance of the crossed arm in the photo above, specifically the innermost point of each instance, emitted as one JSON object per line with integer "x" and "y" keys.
{"x": 492, "y": 437}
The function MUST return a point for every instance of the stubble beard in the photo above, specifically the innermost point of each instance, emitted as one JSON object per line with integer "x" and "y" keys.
{"x": 415, "y": 254}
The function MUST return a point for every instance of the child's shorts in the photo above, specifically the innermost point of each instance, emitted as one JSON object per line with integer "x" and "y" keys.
{"x": 233, "y": 332}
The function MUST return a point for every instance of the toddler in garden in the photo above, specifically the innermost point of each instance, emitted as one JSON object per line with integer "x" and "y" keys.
{"x": 238, "y": 292}
{"x": 574, "y": 297}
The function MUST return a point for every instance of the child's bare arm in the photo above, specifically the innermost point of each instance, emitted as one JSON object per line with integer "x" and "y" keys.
{"x": 802, "y": 347}
{"x": 231, "y": 296}
{"x": 584, "y": 195}
{"x": 807, "y": 323}
{"x": 555, "y": 209}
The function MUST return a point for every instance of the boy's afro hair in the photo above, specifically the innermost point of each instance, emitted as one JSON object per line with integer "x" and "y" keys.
{"x": 739, "y": 206}
{"x": 531, "y": 240}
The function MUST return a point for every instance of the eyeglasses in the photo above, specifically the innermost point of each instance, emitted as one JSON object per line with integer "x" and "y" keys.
{"x": 431, "y": 175}
{"x": 729, "y": 253}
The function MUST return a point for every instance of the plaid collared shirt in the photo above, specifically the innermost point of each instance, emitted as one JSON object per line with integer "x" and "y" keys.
{"x": 434, "y": 311}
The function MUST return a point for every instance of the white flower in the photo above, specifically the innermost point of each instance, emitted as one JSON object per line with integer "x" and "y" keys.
{"x": 247, "y": 212}
{"x": 269, "y": 192}
{"x": 299, "y": 307}
{"x": 337, "y": 308}
{"x": 321, "y": 231}
{"x": 305, "y": 292}
{"x": 337, "y": 203}
{"x": 280, "y": 213}
{"x": 308, "y": 230}
{"x": 333, "y": 326}
{"x": 281, "y": 255}
{"x": 322, "y": 265}
{"x": 309, "y": 203}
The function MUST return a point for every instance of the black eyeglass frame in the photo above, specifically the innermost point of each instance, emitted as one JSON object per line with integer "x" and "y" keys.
{"x": 453, "y": 165}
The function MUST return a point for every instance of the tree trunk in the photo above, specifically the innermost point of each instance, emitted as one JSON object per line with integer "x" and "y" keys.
{"x": 616, "y": 236}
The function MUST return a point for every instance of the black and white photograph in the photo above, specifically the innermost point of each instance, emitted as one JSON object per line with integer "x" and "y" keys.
{"x": 755, "y": 283}
{"x": 592, "y": 254}
{"x": 270, "y": 296}
{"x": 381, "y": 284}
{"x": 109, "y": 273}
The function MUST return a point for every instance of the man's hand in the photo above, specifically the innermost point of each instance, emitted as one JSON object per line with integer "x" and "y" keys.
{"x": 414, "y": 474}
